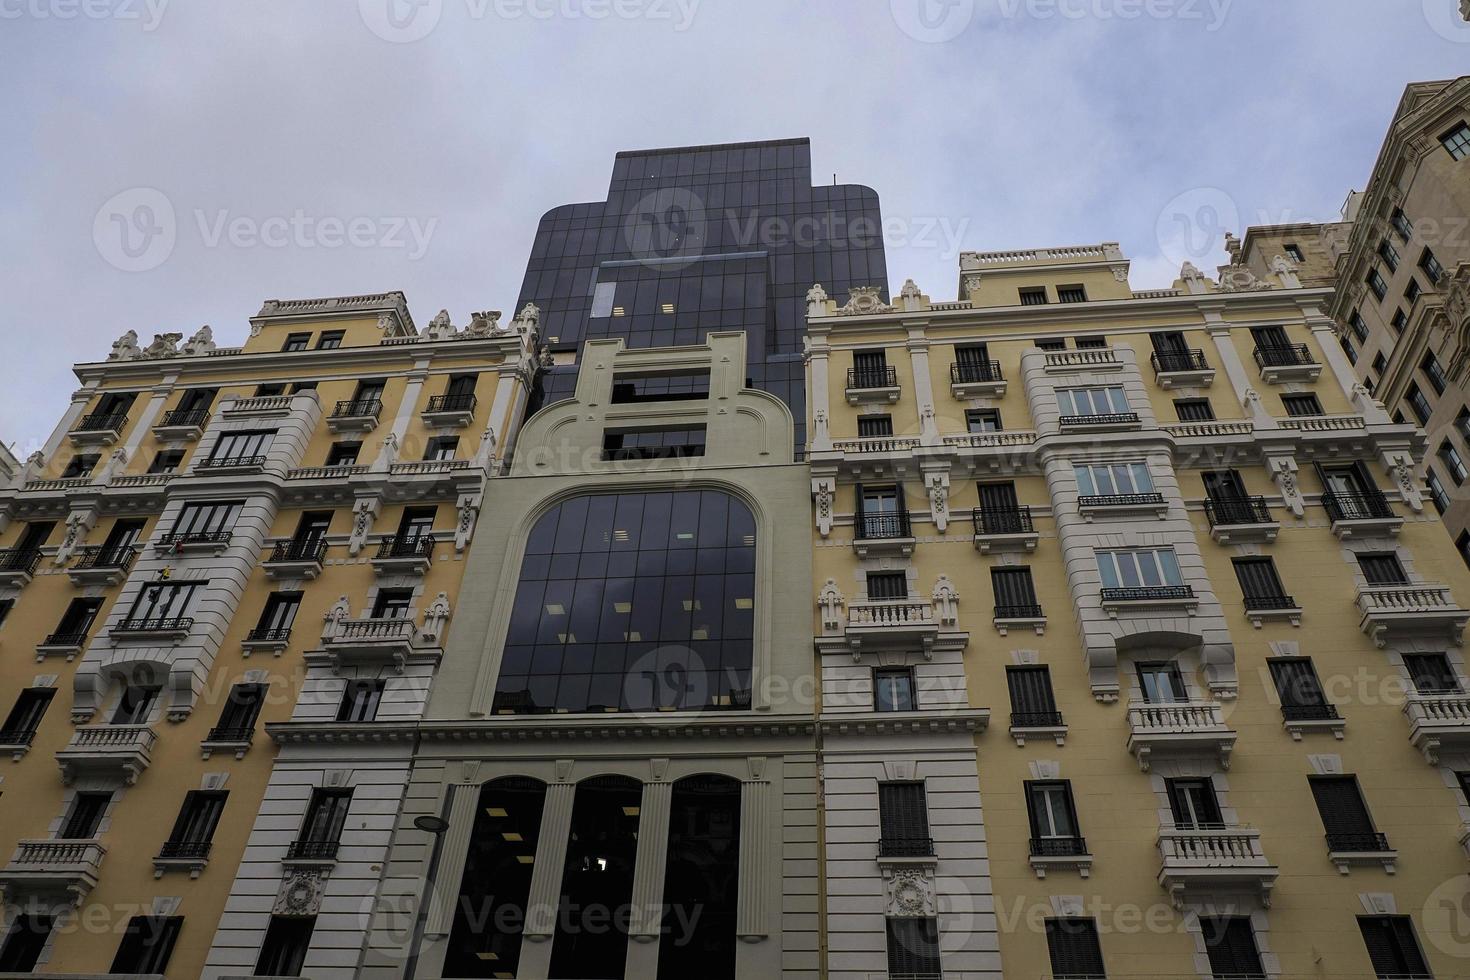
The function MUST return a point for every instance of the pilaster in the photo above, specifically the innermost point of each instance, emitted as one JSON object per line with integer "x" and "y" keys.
{"x": 752, "y": 915}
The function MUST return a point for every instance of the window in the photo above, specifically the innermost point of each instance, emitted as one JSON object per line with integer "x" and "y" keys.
{"x": 326, "y": 815}
{"x": 1392, "y": 946}
{"x": 1402, "y": 224}
{"x": 116, "y": 402}
{"x": 1345, "y": 816}
{"x": 1090, "y": 343}
{"x": 269, "y": 390}
{"x": 160, "y": 603}
{"x": 871, "y": 426}
{"x": 1052, "y": 345}
{"x": 1261, "y": 585}
{"x": 330, "y": 339}
{"x": 1432, "y": 370}
{"x": 1142, "y": 569}
{"x": 5, "y": 606}
{"x": 1412, "y": 291}
{"x": 983, "y": 420}
{"x": 343, "y": 453}
{"x": 893, "y": 689}
{"x": 441, "y": 448}
{"x": 888, "y": 585}
{"x": 296, "y": 341}
{"x": 1076, "y": 402}
{"x": 1112, "y": 479}
{"x": 1379, "y": 364}
{"x": 1000, "y": 512}
{"x": 1230, "y": 944}
{"x": 124, "y": 534}
{"x": 972, "y": 363}
{"x": 1450, "y": 456}
{"x": 277, "y": 616}
{"x": 1431, "y": 673}
{"x": 1034, "y": 296}
{"x": 24, "y": 942}
{"x": 1348, "y": 349}
{"x": 1194, "y": 804}
{"x": 1161, "y": 682}
{"x": 1301, "y": 405}
{"x": 166, "y": 461}
{"x": 631, "y": 388}
{"x": 1462, "y": 545}
{"x": 416, "y": 524}
{"x": 197, "y": 400}
{"x": 881, "y": 513}
{"x": 1457, "y": 141}
{"x": 603, "y": 295}
{"x": 237, "y": 720}
{"x": 35, "y": 535}
{"x": 75, "y": 623}
{"x": 1053, "y": 818}
{"x": 1073, "y": 294}
{"x": 360, "y": 700}
{"x": 1437, "y": 492}
{"x": 1294, "y": 252}
{"x": 1033, "y": 704}
{"x": 194, "y": 827}
{"x": 368, "y": 398}
{"x": 1074, "y": 949}
{"x": 903, "y": 820}
{"x": 25, "y": 718}
{"x": 147, "y": 943}
{"x": 1382, "y": 569}
{"x": 913, "y": 947}
{"x": 1015, "y": 594}
{"x": 241, "y": 447}
{"x": 301, "y": 386}
{"x": 283, "y": 950}
{"x": 392, "y": 604}
{"x": 1299, "y": 689}
{"x": 1377, "y": 283}
{"x": 87, "y": 810}
{"x": 675, "y": 442}
{"x": 1226, "y": 490}
{"x": 1462, "y": 423}
{"x": 135, "y": 706}
{"x": 207, "y": 519}
{"x": 1389, "y": 255}
{"x": 1419, "y": 402}
{"x": 1360, "y": 327}
{"x": 1399, "y": 320}
{"x": 80, "y": 466}
{"x": 1194, "y": 409}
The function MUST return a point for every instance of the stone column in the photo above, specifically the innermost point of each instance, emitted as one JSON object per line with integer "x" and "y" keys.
{"x": 918, "y": 348}
{"x": 648, "y": 874}
{"x": 79, "y": 400}
{"x": 151, "y": 411}
{"x": 463, "y": 807}
{"x": 819, "y": 357}
{"x": 551, "y": 859}
{"x": 752, "y": 913}
{"x": 411, "y": 394}
{"x": 1230, "y": 363}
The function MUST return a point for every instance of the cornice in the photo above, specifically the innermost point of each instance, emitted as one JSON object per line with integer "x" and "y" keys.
{"x": 907, "y": 722}
{"x": 322, "y": 733}
{"x": 631, "y": 726}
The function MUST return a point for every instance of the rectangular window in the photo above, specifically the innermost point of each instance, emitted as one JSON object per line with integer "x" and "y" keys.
{"x": 343, "y": 453}
{"x": 888, "y": 585}
{"x": 1377, "y": 283}
{"x": 1072, "y": 294}
{"x": 1015, "y": 594}
{"x": 330, "y": 339}
{"x": 1075, "y": 951}
{"x": 283, "y": 949}
{"x": 1431, "y": 266}
{"x": 1393, "y": 947}
{"x": 416, "y": 523}
{"x": 116, "y": 402}
{"x": 80, "y": 466}
{"x": 1389, "y": 255}
{"x": 1299, "y": 406}
{"x": 1260, "y": 584}
{"x": 5, "y": 606}
{"x": 241, "y": 710}
{"x": 269, "y": 390}
{"x": 1141, "y": 569}
{"x": 1382, "y": 569}
{"x": 972, "y": 363}
{"x": 1398, "y": 321}
{"x": 1294, "y": 252}
{"x": 1090, "y": 343}
{"x": 1034, "y": 296}
{"x": 1412, "y": 291}
{"x": 194, "y": 827}
{"x": 1302, "y": 698}
{"x": 147, "y": 943}
{"x": 1431, "y": 673}
{"x": 326, "y": 815}
{"x": 34, "y": 537}
{"x": 1462, "y": 545}
{"x": 75, "y": 623}
{"x": 893, "y": 689}
{"x": 1093, "y": 401}
{"x": 903, "y": 820}
{"x": 360, "y": 700}
{"x": 85, "y": 817}
{"x": 296, "y": 341}
{"x": 1360, "y": 327}
{"x": 1419, "y": 402}
{"x": 631, "y": 388}
{"x": 241, "y": 447}
{"x": 913, "y": 947}
{"x": 1432, "y": 370}
{"x": 1457, "y": 141}
{"x": 278, "y": 615}
{"x": 603, "y": 294}
{"x": 1161, "y": 682}
{"x": 983, "y": 420}
{"x": 135, "y": 706}
{"x": 1230, "y": 944}
{"x": 1194, "y": 410}
{"x": 1402, "y": 224}
{"x": 872, "y": 426}
{"x": 1033, "y": 705}
{"x": 166, "y": 461}
{"x": 25, "y": 718}
{"x": 1462, "y": 423}
{"x": 368, "y": 398}
{"x": 1052, "y": 345}
{"x": 207, "y": 519}
{"x": 1345, "y": 815}
{"x": 1450, "y": 456}
{"x": 301, "y": 386}
{"x": 1112, "y": 479}
{"x": 1348, "y": 349}
{"x": 161, "y": 603}
{"x": 671, "y": 443}
{"x": 1050, "y": 808}
{"x": 24, "y": 942}
{"x": 1437, "y": 492}
{"x": 1193, "y": 803}
{"x": 392, "y": 604}
{"x": 1379, "y": 364}
{"x": 441, "y": 448}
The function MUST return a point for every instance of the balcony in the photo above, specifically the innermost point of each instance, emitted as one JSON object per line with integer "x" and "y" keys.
{"x": 889, "y": 623}
{"x": 171, "y": 628}
{"x": 266, "y": 639}
{"x": 17, "y": 566}
{"x": 976, "y": 379}
{"x": 61, "y": 644}
{"x": 192, "y": 542}
{"x": 358, "y": 642}
{"x": 1148, "y": 599}
{"x": 1369, "y": 847}
{"x": 883, "y": 534}
{"x": 906, "y": 851}
{"x": 1114, "y": 422}
{"x": 186, "y": 425}
{"x": 1260, "y": 608}
{"x": 1060, "y": 853}
{"x": 182, "y": 855}
{"x": 1234, "y": 520}
{"x": 296, "y": 559}
{"x": 1298, "y": 719}
{"x": 1438, "y": 721}
{"x": 52, "y": 868}
{"x": 1023, "y": 617}
{"x": 1186, "y": 368}
{"x": 100, "y": 565}
{"x": 226, "y": 739}
{"x": 866, "y": 385}
{"x": 1292, "y": 362}
{"x": 98, "y": 429}
{"x": 356, "y": 415}
{"x": 1362, "y": 513}
{"x": 230, "y": 465}
{"x": 1038, "y": 724}
{"x": 312, "y": 852}
{"x": 1178, "y": 728}
{"x": 107, "y": 750}
{"x": 1090, "y": 359}
{"x": 1202, "y": 862}
{"x": 404, "y": 555}
{"x": 16, "y": 741}
{"x": 450, "y": 411}
{"x": 1399, "y": 612}
{"x": 1122, "y": 504}
{"x": 1004, "y": 529}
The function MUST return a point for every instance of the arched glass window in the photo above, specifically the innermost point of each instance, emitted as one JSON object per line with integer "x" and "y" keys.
{"x": 634, "y": 602}
{"x": 701, "y": 880}
{"x": 597, "y": 881}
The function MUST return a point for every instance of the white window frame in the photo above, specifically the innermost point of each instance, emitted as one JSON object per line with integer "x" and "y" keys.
{"x": 1112, "y": 479}
{"x": 1139, "y": 568}
{"x": 1093, "y": 400}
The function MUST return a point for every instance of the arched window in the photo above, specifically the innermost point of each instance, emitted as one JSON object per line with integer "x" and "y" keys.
{"x": 634, "y": 602}
{"x": 597, "y": 881}
{"x": 701, "y": 880}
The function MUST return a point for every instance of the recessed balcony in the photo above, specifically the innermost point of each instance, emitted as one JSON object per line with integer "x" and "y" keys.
{"x": 1060, "y": 854}
{"x": 1148, "y": 599}
{"x": 1122, "y": 505}
{"x": 1260, "y": 609}
{"x": 1289, "y": 362}
{"x": 98, "y": 429}
{"x": 1178, "y": 728}
{"x": 870, "y": 385}
{"x": 355, "y": 415}
{"x": 883, "y": 534}
{"x": 977, "y": 379}
{"x": 1438, "y": 722}
{"x": 1398, "y": 612}
{"x": 1004, "y": 529}
{"x": 100, "y": 565}
{"x": 296, "y": 559}
{"x": 1234, "y": 520}
{"x": 161, "y": 628}
{"x": 43, "y": 868}
{"x": 450, "y": 411}
{"x": 17, "y": 565}
{"x": 888, "y": 623}
{"x": 1202, "y": 862}
{"x": 404, "y": 555}
{"x": 1024, "y": 617}
{"x": 1362, "y": 513}
{"x": 107, "y": 750}
{"x": 358, "y": 642}
{"x": 184, "y": 425}
{"x": 1185, "y": 368}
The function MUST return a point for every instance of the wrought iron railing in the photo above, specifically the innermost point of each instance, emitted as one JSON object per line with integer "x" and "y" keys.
{"x": 1309, "y": 712}
{"x": 1183, "y": 360}
{"x": 185, "y": 849}
{"x": 878, "y": 526}
{"x": 451, "y": 403}
{"x": 181, "y": 418}
{"x": 268, "y": 634}
{"x": 230, "y": 462}
{"x": 974, "y": 372}
{"x": 1058, "y": 846}
{"x": 1121, "y": 500}
{"x": 1006, "y": 520}
{"x": 1360, "y": 505}
{"x": 1370, "y": 842}
{"x": 1288, "y": 355}
{"x": 905, "y": 846}
{"x": 65, "y": 640}
{"x": 1019, "y": 611}
{"x": 1036, "y": 719}
{"x": 1148, "y": 592}
{"x": 19, "y": 560}
{"x": 876, "y": 377}
{"x": 1230, "y": 511}
{"x": 101, "y": 422}
{"x": 175, "y": 624}
{"x": 104, "y": 558}
{"x": 407, "y": 546}
{"x": 182, "y": 538}
{"x": 230, "y": 733}
{"x": 304, "y": 550}
{"x": 1114, "y": 418}
{"x": 312, "y": 850}
{"x": 358, "y": 408}
{"x": 1257, "y": 603}
{"x": 17, "y": 736}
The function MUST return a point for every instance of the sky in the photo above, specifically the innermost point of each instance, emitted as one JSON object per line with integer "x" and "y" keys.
{"x": 172, "y": 163}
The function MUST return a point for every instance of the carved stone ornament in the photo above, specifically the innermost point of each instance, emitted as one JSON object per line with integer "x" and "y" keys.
{"x": 482, "y": 324}
{"x": 1120, "y": 273}
{"x": 200, "y": 344}
{"x": 1189, "y": 272}
{"x": 864, "y": 301}
{"x": 527, "y": 321}
{"x": 830, "y": 599}
{"x": 300, "y": 895}
{"x": 910, "y": 290}
{"x": 1239, "y": 279}
{"x": 816, "y": 294}
{"x": 910, "y": 894}
{"x": 439, "y": 328}
{"x": 125, "y": 348}
{"x": 972, "y": 284}
{"x": 164, "y": 345}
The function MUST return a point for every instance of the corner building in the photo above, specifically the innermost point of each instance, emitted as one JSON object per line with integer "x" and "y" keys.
{"x": 1139, "y": 645}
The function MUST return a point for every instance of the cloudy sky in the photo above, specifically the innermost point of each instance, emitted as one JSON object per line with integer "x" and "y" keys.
{"x": 171, "y": 163}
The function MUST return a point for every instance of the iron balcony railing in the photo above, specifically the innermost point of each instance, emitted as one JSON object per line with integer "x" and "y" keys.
{"x": 1036, "y": 719}
{"x": 408, "y": 546}
{"x": 451, "y": 403}
{"x": 1115, "y": 418}
{"x": 1019, "y": 611}
{"x": 1289, "y": 355}
{"x": 1007, "y": 520}
{"x": 67, "y": 638}
{"x": 1361, "y": 505}
{"x": 19, "y": 560}
{"x": 101, "y": 422}
{"x": 307, "y": 550}
{"x": 185, "y": 849}
{"x": 1257, "y": 603}
{"x": 971, "y": 372}
{"x": 17, "y": 736}
{"x": 1148, "y": 592}
{"x": 1309, "y": 712}
{"x": 1230, "y": 511}
{"x": 181, "y": 418}
{"x": 312, "y": 850}
{"x": 181, "y": 538}
{"x": 1182, "y": 360}
{"x": 1058, "y": 846}
{"x": 173, "y": 624}
{"x": 358, "y": 408}
{"x": 879, "y": 526}
{"x": 230, "y": 733}
{"x": 268, "y": 634}
{"x": 230, "y": 462}
{"x": 877, "y": 377}
{"x": 104, "y": 558}
{"x": 905, "y": 847}
{"x": 1363, "y": 843}
{"x": 1121, "y": 500}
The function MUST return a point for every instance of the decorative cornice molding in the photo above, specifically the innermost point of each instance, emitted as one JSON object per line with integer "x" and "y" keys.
{"x": 907, "y": 722}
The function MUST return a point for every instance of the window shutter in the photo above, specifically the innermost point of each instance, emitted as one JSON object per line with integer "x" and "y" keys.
{"x": 1258, "y": 578}
{"x": 1431, "y": 672}
{"x": 998, "y": 497}
{"x": 1341, "y": 805}
{"x": 1231, "y": 947}
{"x": 1392, "y": 946}
{"x": 902, "y": 811}
{"x": 913, "y": 947}
{"x": 1074, "y": 948}
{"x": 1296, "y": 684}
{"x": 1013, "y": 589}
{"x": 1031, "y": 691}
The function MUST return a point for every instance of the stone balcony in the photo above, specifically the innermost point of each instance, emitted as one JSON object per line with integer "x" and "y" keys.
{"x": 1360, "y": 514}
{"x": 1291, "y": 362}
{"x": 296, "y": 559}
{"x": 872, "y": 385}
{"x": 877, "y": 535}
{"x": 184, "y": 425}
{"x": 1235, "y": 520}
{"x": 1203, "y": 862}
{"x": 17, "y": 566}
{"x": 1179, "y": 728}
{"x": 449, "y": 411}
{"x": 890, "y": 624}
{"x": 355, "y": 415}
{"x": 1179, "y": 369}
{"x": 360, "y": 642}
{"x": 1438, "y": 722}
{"x": 107, "y": 750}
{"x": 1007, "y": 529}
{"x": 404, "y": 555}
{"x": 977, "y": 379}
{"x": 98, "y": 429}
{"x": 101, "y": 565}
{"x": 1390, "y": 613}
{"x": 52, "y": 868}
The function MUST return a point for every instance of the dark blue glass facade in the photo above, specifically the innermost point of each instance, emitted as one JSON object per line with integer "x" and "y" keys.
{"x": 726, "y": 237}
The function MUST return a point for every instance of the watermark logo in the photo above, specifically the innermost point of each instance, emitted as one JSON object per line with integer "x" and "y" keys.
{"x": 1210, "y": 13}
{"x": 406, "y": 21}
{"x": 401, "y": 21}
{"x": 1447, "y": 917}
{"x": 149, "y": 13}
{"x": 1192, "y": 225}
{"x": 136, "y": 230}
{"x": 666, "y": 228}
{"x": 1446, "y": 20}
{"x": 932, "y": 21}
{"x": 666, "y": 678}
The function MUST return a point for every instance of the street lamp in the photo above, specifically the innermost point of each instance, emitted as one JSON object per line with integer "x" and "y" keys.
{"x": 436, "y": 825}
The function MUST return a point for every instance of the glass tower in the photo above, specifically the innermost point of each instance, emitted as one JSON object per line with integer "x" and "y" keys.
{"x": 700, "y": 238}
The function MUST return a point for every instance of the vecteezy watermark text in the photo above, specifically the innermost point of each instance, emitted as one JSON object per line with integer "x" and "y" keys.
{"x": 405, "y": 21}
{"x": 1211, "y": 13}
{"x": 148, "y": 12}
